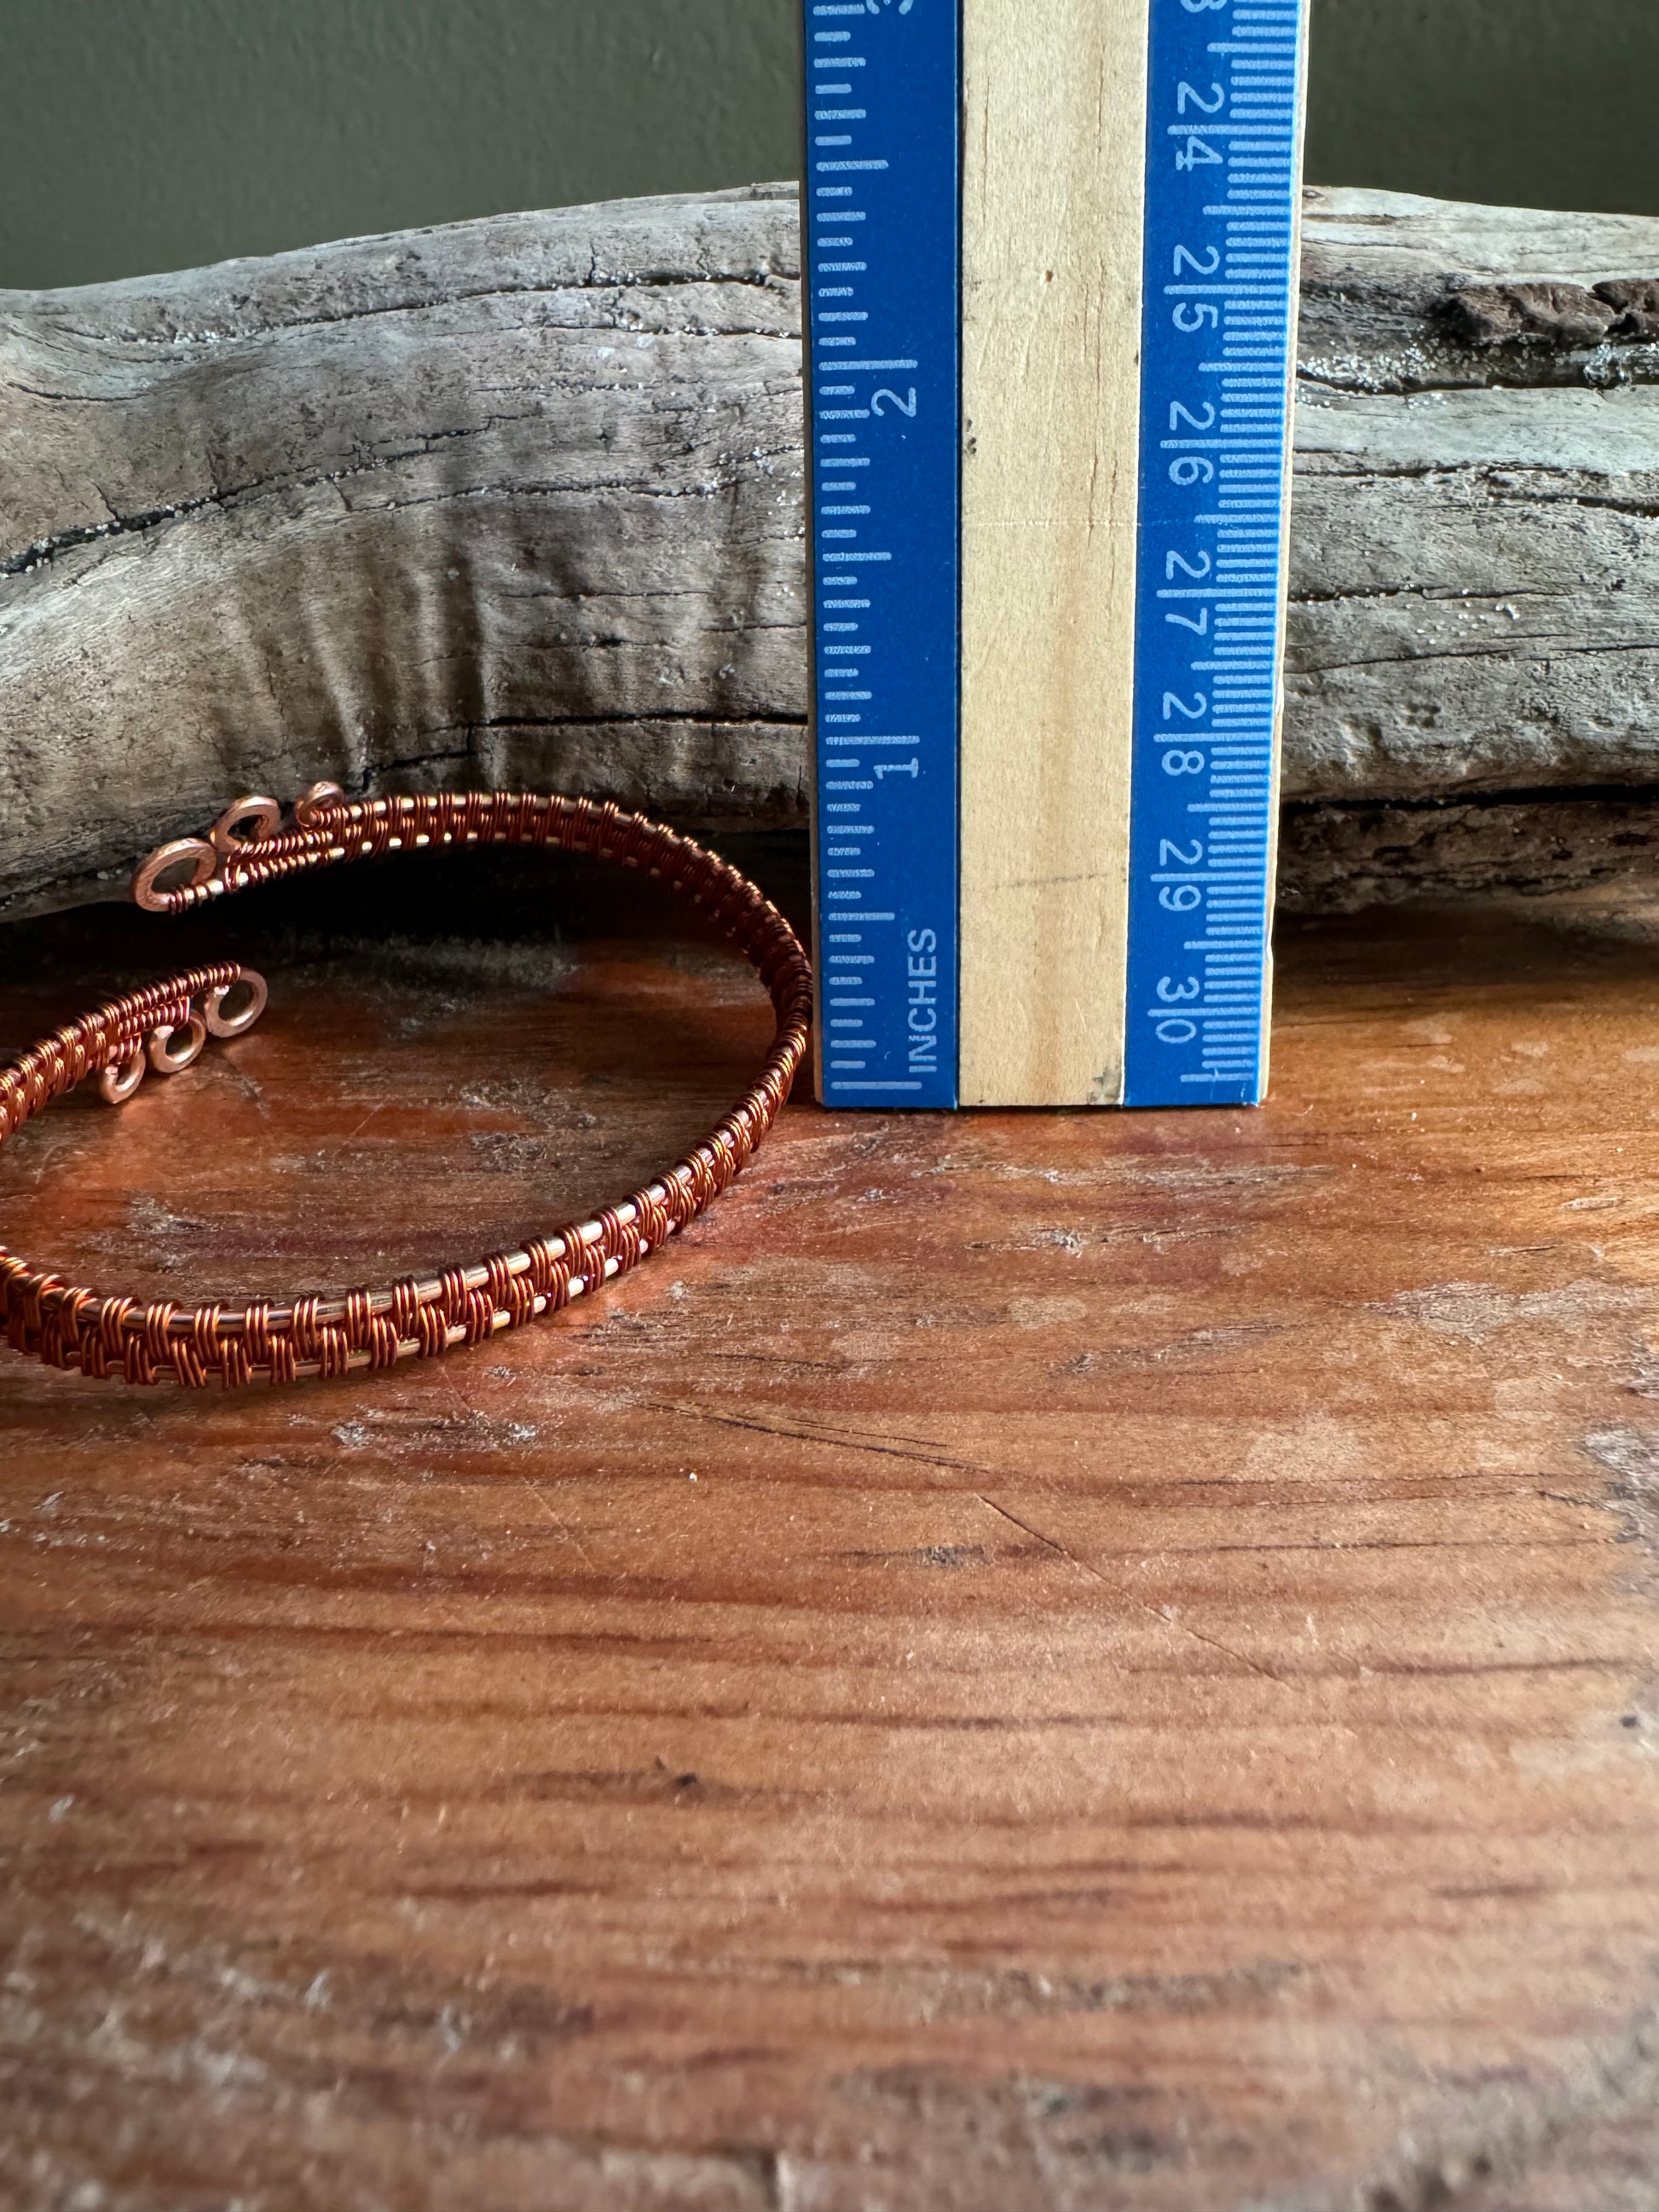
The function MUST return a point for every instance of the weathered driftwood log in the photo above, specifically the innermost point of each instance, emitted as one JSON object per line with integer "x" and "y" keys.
{"x": 519, "y": 500}
{"x": 1474, "y": 635}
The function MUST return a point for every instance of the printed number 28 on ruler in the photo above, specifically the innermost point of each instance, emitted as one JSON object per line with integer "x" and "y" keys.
{"x": 1045, "y": 786}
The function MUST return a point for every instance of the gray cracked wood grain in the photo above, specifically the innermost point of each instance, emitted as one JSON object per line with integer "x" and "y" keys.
{"x": 519, "y": 501}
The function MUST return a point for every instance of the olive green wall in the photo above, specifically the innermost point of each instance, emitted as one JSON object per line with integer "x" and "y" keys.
{"x": 138, "y": 134}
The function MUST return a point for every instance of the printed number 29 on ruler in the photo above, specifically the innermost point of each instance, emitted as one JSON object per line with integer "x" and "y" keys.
{"x": 1221, "y": 230}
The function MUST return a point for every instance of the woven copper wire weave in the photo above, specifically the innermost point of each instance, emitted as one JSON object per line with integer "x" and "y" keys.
{"x": 69, "y": 1325}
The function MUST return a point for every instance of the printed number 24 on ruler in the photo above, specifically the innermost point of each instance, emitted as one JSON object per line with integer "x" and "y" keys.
{"x": 1050, "y": 279}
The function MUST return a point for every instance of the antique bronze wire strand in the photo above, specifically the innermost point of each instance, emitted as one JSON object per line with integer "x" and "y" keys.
{"x": 165, "y": 1027}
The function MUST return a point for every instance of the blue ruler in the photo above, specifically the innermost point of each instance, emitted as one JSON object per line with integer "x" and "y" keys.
{"x": 883, "y": 255}
{"x": 1220, "y": 316}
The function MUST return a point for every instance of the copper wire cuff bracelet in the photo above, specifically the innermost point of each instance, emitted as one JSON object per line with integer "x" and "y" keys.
{"x": 69, "y": 1326}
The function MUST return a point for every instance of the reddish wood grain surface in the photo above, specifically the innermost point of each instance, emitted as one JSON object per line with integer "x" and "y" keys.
{"x": 1032, "y": 1661}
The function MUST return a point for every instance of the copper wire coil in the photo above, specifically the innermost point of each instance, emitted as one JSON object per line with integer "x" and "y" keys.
{"x": 69, "y": 1325}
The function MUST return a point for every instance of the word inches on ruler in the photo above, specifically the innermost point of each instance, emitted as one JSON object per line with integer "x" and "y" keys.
{"x": 881, "y": 231}
{"x": 1220, "y": 321}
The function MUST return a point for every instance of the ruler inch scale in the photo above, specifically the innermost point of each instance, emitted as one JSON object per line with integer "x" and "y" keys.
{"x": 880, "y": 276}
{"x": 1051, "y": 281}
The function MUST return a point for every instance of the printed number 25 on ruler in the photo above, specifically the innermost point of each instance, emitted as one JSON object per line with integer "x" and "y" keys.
{"x": 1050, "y": 257}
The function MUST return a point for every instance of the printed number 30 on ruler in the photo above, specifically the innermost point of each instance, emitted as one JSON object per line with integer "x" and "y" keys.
{"x": 1048, "y": 450}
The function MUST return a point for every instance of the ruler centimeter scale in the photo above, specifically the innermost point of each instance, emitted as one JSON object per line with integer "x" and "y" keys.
{"x": 1218, "y": 325}
{"x": 1170, "y": 744}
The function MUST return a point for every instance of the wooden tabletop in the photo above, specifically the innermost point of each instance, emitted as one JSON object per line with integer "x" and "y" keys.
{"x": 1028, "y": 1660}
